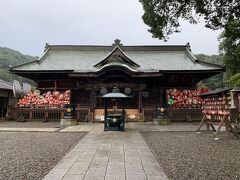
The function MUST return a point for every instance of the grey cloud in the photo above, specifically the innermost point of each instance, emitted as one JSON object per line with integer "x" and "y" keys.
{"x": 27, "y": 24}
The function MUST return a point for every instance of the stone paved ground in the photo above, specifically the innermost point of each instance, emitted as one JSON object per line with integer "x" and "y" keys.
{"x": 135, "y": 126}
{"x": 104, "y": 155}
{"x": 109, "y": 155}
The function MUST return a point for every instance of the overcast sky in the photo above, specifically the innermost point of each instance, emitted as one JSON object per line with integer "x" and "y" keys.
{"x": 26, "y": 25}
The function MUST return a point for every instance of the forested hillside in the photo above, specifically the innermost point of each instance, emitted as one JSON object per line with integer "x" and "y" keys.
{"x": 212, "y": 58}
{"x": 218, "y": 80}
{"x": 10, "y": 57}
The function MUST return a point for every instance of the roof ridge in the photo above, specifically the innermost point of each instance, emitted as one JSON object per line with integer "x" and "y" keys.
{"x": 146, "y": 45}
{"x": 109, "y": 48}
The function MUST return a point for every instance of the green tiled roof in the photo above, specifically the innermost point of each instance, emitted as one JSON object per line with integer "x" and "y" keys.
{"x": 6, "y": 85}
{"x": 148, "y": 58}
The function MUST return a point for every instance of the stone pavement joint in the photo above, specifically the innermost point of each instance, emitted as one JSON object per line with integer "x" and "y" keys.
{"x": 108, "y": 155}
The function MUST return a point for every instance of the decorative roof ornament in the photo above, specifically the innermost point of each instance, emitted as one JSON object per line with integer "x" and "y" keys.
{"x": 188, "y": 46}
{"x": 46, "y": 46}
{"x": 117, "y": 42}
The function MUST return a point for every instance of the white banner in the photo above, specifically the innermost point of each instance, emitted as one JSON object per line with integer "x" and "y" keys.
{"x": 26, "y": 88}
{"x": 17, "y": 89}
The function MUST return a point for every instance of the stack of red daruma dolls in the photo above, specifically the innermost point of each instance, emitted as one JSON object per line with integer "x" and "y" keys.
{"x": 185, "y": 98}
{"x": 50, "y": 98}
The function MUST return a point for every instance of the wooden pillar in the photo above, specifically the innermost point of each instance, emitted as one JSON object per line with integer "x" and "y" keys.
{"x": 140, "y": 100}
{"x": 55, "y": 85}
{"x": 105, "y": 114}
{"x": 92, "y": 98}
{"x": 78, "y": 115}
{"x": 164, "y": 97}
{"x": 30, "y": 115}
{"x": 45, "y": 116}
{"x": 62, "y": 113}
{"x": 140, "y": 116}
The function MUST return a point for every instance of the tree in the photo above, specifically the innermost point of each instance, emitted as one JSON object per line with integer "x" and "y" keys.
{"x": 235, "y": 80}
{"x": 210, "y": 58}
{"x": 216, "y": 81}
{"x": 162, "y": 16}
{"x": 230, "y": 47}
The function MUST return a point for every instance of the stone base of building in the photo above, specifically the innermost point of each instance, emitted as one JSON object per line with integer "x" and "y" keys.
{"x": 161, "y": 121}
{"x": 68, "y": 122}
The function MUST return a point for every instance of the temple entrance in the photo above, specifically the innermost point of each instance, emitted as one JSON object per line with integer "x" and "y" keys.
{"x": 117, "y": 77}
{"x": 131, "y": 105}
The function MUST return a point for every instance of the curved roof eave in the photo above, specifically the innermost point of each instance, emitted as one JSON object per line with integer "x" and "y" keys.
{"x": 115, "y": 65}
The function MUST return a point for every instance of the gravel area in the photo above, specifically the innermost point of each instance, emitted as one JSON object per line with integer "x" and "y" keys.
{"x": 186, "y": 155}
{"x": 31, "y": 155}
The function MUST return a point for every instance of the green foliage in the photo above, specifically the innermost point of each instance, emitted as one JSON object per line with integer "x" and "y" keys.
{"x": 230, "y": 46}
{"x": 12, "y": 57}
{"x": 9, "y": 57}
{"x": 5, "y": 75}
{"x": 162, "y": 16}
{"x": 235, "y": 80}
{"x": 216, "y": 81}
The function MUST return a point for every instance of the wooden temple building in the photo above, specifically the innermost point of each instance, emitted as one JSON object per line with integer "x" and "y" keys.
{"x": 144, "y": 72}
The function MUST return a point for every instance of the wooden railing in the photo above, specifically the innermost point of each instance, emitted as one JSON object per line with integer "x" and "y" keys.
{"x": 184, "y": 114}
{"x": 83, "y": 114}
{"x": 48, "y": 114}
{"x": 42, "y": 114}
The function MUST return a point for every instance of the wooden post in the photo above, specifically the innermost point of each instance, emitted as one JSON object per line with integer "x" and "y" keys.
{"x": 105, "y": 114}
{"x": 78, "y": 115}
{"x": 55, "y": 85}
{"x": 92, "y": 97}
{"x": 45, "y": 116}
{"x": 30, "y": 115}
{"x": 208, "y": 124}
{"x": 219, "y": 127}
{"x": 140, "y": 104}
{"x": 62, "y": 113}
{"x": 201, "y": 123}
{"x": 123, "y": 112}
{"x": 140, "y": 100}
